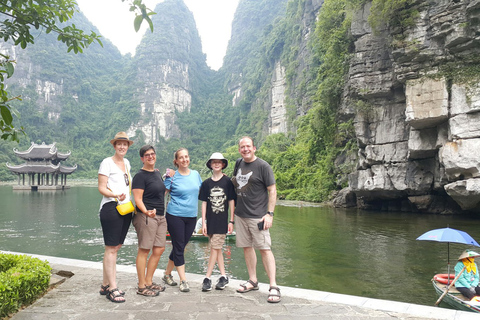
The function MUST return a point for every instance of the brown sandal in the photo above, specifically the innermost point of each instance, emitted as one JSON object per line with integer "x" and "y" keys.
{"x": 147, "y": 292}
{"x": 271, "y": 295}
{"x": 244, "y": 286}
{"x": 155, "y": 287}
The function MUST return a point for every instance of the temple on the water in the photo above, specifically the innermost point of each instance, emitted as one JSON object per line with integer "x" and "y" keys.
{"x": 42, "y": 168}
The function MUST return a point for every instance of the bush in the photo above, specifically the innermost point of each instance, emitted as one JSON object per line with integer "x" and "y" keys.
{"x": 22, "y": 280}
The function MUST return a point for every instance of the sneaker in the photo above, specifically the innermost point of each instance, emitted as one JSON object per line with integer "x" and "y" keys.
{"x": 168, "y": 279}
{"x": 184, "y": 286}
{"x": 221, "y": 283}
{"x": 207, "y": 284}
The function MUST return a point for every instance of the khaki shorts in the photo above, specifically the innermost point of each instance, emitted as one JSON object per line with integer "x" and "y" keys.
{"x": 248, "y": 234}
{"x": 151, "y": 232}
{"x": 217, "y": 240}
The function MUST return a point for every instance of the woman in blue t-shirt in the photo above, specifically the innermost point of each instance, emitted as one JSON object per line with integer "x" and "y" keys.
{"x": 181, "y": 214}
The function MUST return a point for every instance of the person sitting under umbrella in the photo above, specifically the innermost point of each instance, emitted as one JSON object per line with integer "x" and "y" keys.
{"x": 467, "y": 283}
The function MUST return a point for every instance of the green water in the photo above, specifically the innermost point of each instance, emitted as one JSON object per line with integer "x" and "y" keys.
{"x": 370, "y": 254}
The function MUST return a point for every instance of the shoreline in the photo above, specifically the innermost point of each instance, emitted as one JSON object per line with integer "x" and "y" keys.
{"x": 93, "y": 183}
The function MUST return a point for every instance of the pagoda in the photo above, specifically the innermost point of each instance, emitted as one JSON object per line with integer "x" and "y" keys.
{"x": 42, "y": 167}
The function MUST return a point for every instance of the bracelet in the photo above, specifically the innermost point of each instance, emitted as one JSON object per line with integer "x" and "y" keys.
{"x": 232, "y": 222}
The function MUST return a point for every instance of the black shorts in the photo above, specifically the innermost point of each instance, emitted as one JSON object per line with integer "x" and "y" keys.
{"x": 114, "y": 226}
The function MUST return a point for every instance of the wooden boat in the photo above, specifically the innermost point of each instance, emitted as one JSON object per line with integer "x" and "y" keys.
{"x": 454, "y": 298}
{"x": 201, "y": 237}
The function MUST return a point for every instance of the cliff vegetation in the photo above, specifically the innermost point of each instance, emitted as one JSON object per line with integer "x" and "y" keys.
{"x": 367, "y": 97}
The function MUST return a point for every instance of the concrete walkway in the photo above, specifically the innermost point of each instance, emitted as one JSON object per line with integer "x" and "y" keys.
{"x": 78, "y": 298}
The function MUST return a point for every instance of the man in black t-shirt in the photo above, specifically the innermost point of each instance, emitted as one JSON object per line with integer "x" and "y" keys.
{"x": 256, "y": 198}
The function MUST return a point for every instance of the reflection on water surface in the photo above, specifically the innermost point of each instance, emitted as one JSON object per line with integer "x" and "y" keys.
{"x": 371, "y": 254}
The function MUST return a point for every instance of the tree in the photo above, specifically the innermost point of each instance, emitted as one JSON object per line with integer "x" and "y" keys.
{"x": 18, "y": 19}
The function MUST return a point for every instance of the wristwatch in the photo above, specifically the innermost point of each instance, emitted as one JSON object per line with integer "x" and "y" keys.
{"x": 232, "y": 222}
{"x": 270, "y": 213}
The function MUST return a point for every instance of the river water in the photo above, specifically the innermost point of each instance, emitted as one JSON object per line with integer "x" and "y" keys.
{"x": 369, "y": 254}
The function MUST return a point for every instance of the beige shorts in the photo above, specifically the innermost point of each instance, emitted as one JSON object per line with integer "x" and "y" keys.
{"x": 248, "y": 235}
{"x": 217, "y": 240}
{"x": 151, "y": 232}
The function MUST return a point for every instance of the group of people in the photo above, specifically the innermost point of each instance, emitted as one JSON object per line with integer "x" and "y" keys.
{"x": 247, "y": 200}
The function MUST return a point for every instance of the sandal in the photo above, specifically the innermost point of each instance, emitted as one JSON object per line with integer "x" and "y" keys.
{"x": 245, "y": 289}
{"x": 156, "y": 287}
{"x": 274, "y": 295}
{"x": 114, "y": 295}
{"x": 104, "y": 290}
{"x": 147, "y": 292}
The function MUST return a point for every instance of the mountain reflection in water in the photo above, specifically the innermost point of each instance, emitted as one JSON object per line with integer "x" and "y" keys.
{"x": 370, "y": 254}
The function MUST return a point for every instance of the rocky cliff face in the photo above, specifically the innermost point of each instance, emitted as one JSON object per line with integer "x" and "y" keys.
{"x": 248, "y": 28}
{"x": 244, "y": 34}
{"x": 167, "y": 63}
{"x": 165, "y": 90}
{"x": 277, "y": 119}
{"x": 278, "y": 110}
{"x": 48, "y": 92}
{"x": 417, "y": 122}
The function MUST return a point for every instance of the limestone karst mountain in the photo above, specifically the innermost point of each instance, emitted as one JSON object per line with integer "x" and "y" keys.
{"x": 387, "y": 114}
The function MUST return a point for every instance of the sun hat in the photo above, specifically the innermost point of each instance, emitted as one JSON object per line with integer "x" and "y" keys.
{"x": 216, "y": 156}
{"x": 468, "y": 254}
{"x": 121, "y": 136}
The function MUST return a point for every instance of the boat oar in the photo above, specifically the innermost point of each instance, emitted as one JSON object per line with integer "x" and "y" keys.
{"x": 448, "y": 288}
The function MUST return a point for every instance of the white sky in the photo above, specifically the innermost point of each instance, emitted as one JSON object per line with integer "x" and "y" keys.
{"x": 212, "y": 17}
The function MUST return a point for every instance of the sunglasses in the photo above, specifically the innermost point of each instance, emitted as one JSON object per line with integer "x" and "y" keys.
{"x": 127, "y": 182}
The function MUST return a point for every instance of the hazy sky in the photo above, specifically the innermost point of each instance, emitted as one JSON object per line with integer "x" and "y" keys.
{"x": 115, "y": 22}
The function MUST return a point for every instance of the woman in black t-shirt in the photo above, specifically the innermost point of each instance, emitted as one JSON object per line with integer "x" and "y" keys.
{"x": 149, "y": 222}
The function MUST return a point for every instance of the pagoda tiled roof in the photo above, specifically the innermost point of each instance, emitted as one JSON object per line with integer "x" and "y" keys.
{"x": 67, "y": 170}
{"x": 41, "y": 168}
{"x": 42, "y": 152}
{"x": 35, "y": 168}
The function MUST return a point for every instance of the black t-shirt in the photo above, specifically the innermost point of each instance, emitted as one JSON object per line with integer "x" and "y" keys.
{"x": 251, "y": 183}
{"x": 217, "y": 194}
{"x": 153, "y": 189}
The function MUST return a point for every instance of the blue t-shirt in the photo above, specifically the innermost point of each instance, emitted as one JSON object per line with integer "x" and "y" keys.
{"x": 183, "y": 194}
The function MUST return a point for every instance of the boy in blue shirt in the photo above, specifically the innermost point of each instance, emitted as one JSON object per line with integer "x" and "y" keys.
{"x": 217, "y": 195}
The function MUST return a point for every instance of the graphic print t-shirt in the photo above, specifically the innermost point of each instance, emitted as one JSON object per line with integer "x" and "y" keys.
{"x": 251, "y": 184}
{"x": 217, "y": 194}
